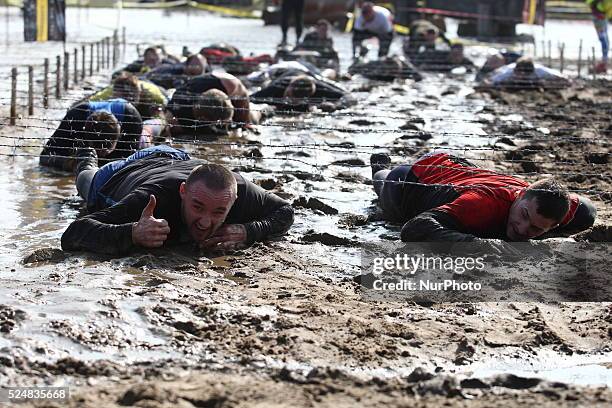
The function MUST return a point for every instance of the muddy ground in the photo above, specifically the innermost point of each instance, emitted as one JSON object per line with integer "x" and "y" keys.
{"x": 268, "y": 330}
{"x": 284, "y": 323}
{"x": 278, "y": 325}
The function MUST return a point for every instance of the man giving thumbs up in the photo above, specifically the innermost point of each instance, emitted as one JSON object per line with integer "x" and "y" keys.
{"x": 159, "y": 197}
{"x": 149, "y": 231}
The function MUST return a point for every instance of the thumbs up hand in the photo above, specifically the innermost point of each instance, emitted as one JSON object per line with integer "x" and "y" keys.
{"x": 150, "y": 232}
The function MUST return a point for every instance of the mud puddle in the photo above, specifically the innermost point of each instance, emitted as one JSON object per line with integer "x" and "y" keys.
{"x": 588, "y": 370}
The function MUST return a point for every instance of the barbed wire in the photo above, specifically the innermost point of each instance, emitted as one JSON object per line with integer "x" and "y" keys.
{"x": 201, "y": 124}
{"x": 318, "y": 148}
{"x": 467, "y": 170}
{"x": 309, "y": 126}
{"x": 409, "y": 119}
{"x": 349, "y": 148}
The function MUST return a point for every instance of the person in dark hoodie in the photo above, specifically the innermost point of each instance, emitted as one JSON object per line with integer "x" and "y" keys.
{"x": 112, "y": 127}
{"x": 298, "y": 91}
{"x": 159, "y": 196}
{"x": 175, "y": 75}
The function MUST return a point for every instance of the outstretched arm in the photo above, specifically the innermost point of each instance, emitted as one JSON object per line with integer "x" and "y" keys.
{"x": 117, "y": 229}
{"x": 434, "y": 226}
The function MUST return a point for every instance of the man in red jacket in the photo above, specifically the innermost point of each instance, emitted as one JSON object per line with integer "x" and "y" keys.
{"x": 445, "y": 198}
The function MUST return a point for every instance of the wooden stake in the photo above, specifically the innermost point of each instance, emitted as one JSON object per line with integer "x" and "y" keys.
{"x": 58, "y": 77}
{"x": 579, "y": 58}
{"x": 30, "y": 90}
{"x": 115, "y": 37}
{"x": 66, "y": 70}
{"x": 594, "y": 63}
{"x": 46, "y": 83}
{"x": 82, "y": 62}
{"x": 123, "y": 37}
{"x": 13, "y": 96}
{"x": 76, "y": 66}
{"x": 108, "y": 64}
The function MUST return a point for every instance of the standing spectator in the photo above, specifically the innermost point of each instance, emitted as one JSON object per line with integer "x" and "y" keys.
{"x": 602, "y": 12}
{"x": 374, "y": 21}
{"x": 295, "y": 7}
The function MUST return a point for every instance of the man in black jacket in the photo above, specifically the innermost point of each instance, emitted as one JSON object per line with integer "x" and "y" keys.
{"x": 296, "y": 90}
{"x": 161, "y": 196}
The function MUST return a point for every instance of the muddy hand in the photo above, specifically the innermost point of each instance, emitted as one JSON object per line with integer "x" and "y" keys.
{"x": 228, "y": 237}
{"x": 149, "y": 231}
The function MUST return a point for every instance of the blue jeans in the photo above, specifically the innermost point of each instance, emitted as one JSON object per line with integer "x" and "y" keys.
{"x": 97, "y": 200}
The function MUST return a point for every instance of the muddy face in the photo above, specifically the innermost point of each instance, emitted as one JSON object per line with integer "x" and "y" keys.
{"x": 524, "y": 222}
{"x": 204, "y": 210}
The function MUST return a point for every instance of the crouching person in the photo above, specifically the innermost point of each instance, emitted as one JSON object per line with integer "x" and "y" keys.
{"x": 446, "y": 198}
{"x": 160, "y": 196}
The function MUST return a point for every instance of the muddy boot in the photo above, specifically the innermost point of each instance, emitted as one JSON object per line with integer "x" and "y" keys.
{"x": 379, "y": 161}
{"x": 85, "y": 169}
{"x": 86, "y": 159}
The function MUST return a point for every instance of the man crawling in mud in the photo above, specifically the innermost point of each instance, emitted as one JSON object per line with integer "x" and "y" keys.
{"x": 212, "y": 100}
{"x": 446, "y": 198}
{"x": 298, "y": 91}
{"x": 160, "y": 196}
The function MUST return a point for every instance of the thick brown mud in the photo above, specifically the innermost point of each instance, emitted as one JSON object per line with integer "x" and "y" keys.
{"x": 284, "y": 323}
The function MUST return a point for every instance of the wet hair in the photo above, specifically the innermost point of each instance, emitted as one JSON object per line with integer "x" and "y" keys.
{"x": 126, "y": 86}
{"x": 552, "y": 198}
{"x": 391, "y": 67}
{"x": 101, "y": 129}
{"x": 149, "y": 50}
{"x": 457, "y": 46}
{"x": 212, "y": 106}
{"x": 524, "y": 65}
{"x": 324, "y": 22}
{"x": 301, "y": 86}
{"x": 214, "y": 176}
{"x": 201, "y": 59}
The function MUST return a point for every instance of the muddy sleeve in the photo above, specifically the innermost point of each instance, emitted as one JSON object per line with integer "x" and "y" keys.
{"x": 264, "y": 215}
{"x": 438, "y": 226}
{"x": 107, "y": 231}
{"x": 434, "y": 226}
